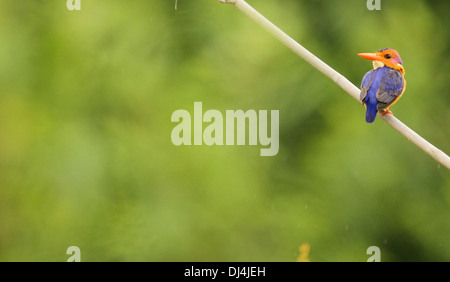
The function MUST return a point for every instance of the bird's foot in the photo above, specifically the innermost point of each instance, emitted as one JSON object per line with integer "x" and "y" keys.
{"x": 387, "y": 112}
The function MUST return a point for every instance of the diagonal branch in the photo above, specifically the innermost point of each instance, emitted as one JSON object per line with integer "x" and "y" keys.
{"x": 339, "y": 79}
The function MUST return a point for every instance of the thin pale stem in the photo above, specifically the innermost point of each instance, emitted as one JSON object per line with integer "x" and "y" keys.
{"x": 339, "y": 79}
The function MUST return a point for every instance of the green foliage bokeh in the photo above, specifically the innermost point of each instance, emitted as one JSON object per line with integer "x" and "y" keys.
{"x": 86, "y": 158}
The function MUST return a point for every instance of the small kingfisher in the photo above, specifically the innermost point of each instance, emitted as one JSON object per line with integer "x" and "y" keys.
{"x": 384, "y": 85}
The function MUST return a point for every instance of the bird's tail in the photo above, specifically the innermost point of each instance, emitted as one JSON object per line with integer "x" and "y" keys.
{"x": 371, "y": 112}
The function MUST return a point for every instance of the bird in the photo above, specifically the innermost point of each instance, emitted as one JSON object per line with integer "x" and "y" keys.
{"x": 384, "y": 85}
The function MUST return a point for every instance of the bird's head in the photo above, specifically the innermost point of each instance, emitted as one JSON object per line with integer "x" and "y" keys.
{"x": 385, "y": 57}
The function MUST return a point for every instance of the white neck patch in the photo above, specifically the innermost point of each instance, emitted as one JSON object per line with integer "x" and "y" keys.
{"x": 377, "y": 64}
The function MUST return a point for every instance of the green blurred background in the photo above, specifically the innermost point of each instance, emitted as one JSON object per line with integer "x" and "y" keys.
{"x": 86, "y": 157}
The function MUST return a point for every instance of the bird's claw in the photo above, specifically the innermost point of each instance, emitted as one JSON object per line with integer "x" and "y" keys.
{"x": 387, "y": 112}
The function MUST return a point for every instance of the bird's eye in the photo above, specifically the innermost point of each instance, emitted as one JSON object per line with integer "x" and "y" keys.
{"x": 388, "y": 56}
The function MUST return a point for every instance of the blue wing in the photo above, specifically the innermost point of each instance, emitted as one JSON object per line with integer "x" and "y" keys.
{"x": 390, "y": 89}
{"x": 379, "y": 89}
{"x": 368, "y": 95}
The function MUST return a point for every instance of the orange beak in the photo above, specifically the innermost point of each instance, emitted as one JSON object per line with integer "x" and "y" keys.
{"x": 371, "y": 56}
